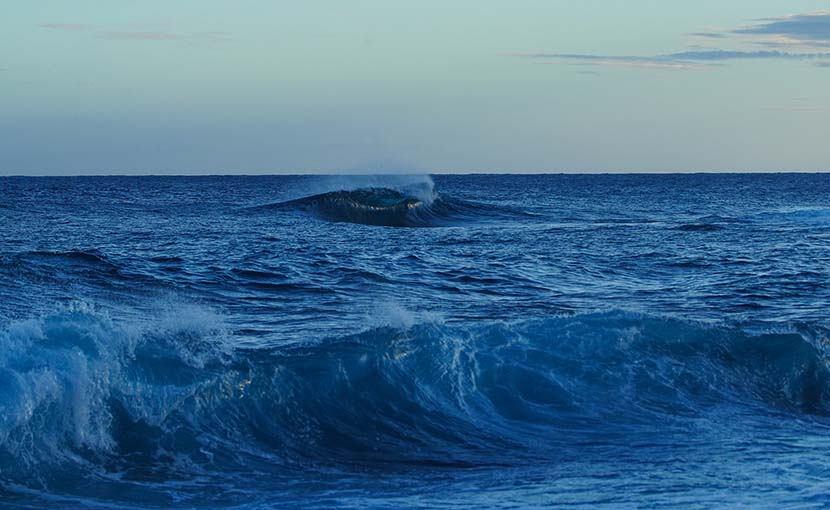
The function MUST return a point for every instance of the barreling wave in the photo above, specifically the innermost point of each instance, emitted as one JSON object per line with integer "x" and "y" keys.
{"x": 394, "y": 208}
{"x": 82, "y": 395}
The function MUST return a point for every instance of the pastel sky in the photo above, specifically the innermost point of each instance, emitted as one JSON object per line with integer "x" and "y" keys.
{"x": 377, "y": 86}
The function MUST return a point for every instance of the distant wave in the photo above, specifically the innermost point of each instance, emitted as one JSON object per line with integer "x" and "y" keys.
{"x": 711, "y": 223}
{"x": 81, "y": 392}
{"x": 78, "y": 256}
{"x": 48, "y": 264}
{"x": 393, "y": 208}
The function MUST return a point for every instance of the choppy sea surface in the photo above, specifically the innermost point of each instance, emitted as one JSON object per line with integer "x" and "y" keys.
{"x": 484, "y": 341}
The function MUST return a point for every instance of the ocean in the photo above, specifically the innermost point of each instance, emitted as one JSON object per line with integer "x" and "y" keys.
{"x": 468, "y": 341}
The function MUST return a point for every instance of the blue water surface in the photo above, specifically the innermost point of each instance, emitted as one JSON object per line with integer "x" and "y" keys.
{"x": 483, "y": 341}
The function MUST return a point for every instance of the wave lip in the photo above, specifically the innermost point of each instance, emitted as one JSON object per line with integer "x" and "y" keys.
{"x": 391, "y": 208}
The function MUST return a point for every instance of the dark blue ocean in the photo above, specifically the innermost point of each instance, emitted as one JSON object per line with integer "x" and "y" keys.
{"x": 483, "y": 341}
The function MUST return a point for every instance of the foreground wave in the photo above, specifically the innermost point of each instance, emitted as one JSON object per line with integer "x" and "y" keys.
{"x": 86, "y": 398}
{"x": 393, "y": 208}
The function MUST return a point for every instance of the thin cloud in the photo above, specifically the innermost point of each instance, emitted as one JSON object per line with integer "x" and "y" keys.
{"x": 720, "y": 55}
{"x": 140, "y": 36}
{"x": 210, "y": 37}
{"x": 68, "y": 27}
{"x": 804, "y": 37}
{"x": 806, "y": 31}
{"x": 613, "y": 60}
{"x": 684, "y": 61}
{"x": 214, "y": 36}
{"x": 709, "y": 35}
{"x": 810, "y": 29}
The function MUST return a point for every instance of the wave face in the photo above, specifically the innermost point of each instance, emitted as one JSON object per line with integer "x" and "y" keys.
{"x": 87, "y": 401}
{"x": 393, "y": 208}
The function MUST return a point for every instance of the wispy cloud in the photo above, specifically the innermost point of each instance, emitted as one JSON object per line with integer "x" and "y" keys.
{"x": 140, "y": 36}
{"x": 803, "y": 37}
{"x": 611, "y": 60}
{"x": 808, "y": 30}
{"x": 69, "y": 27}
{"x": 709, "y": 35}
{"x": 213, "y": 36}
{"x": 720, "y": 55}
{"x": 687, "y": 60}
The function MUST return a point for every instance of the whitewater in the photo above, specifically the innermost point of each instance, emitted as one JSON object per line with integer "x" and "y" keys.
{"x": 494, "y": 341}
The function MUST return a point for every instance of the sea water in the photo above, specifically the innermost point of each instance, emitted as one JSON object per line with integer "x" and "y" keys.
{"x": 574, "y": 341}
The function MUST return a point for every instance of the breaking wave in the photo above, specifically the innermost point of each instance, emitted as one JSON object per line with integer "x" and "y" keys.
{"x": 83, "y": 396}
{"x": 394, "y": 208}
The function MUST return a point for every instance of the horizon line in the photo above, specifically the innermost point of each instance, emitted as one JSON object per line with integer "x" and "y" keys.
{"x": 415, "y": 173}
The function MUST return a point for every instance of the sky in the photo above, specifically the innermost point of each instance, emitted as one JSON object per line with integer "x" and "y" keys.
{"x": 379, "y": 86}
